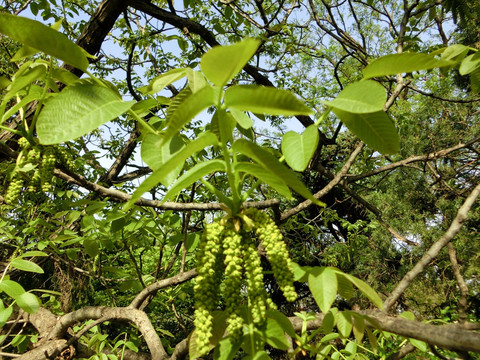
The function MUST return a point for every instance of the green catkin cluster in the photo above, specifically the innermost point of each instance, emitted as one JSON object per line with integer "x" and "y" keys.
{"x": 46, "y": 168}
{"x": 209, "y": 268}
{"x": 232, "y": 250}
{"x": 229, "y": 251}
{"x": 257, "y": 296}
{"x": 277, "y": 253}
{"x": 14, "y": 189}
{"x": 37, "y": 159}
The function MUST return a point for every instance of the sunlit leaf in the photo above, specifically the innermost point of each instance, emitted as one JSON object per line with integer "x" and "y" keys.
{"x": 78, "y": 110}
{"x": 195, "y": 174}
{"x": 11, "y": 288}
{"x": 360, "y": 97}
{"x": 322, "y": 282}
{"x": 26, "y": 265}
{"x": 366, "y": 289}
{"x": 375, "y": 129}
{"x": 188, "y": 109}
{"x": 470, "y": 64}
{"x": 29, "y": 302}
{"x": 265, "y": 100}
{"x": 344, "y": 323}
{"x": 269, "y": 162}
{"x": 163, "y": 80}
{"x": 266, "y": 176}
{"x": 158, "y": 176}
{"x": 403, "y": 63}
{"x": 298, "y": 149}
{"x": 43, "y": 38}
{"x": 221, "y": 63}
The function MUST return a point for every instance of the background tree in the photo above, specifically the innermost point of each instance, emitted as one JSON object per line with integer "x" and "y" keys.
{"x": 398, "y": 213}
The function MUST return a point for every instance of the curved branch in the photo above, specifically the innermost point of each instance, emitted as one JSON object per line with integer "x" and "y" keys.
{"x": 128, "y": 314}
{"x": 174, "y": 280}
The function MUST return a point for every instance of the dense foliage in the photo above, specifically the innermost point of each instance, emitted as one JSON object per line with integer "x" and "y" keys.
{"x": 239, "y": 179}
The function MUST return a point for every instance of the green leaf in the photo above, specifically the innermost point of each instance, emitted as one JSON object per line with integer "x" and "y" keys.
{"x": 78, "y": 110}
{"x": 403, "y": 63}
{"x": 283, "y": 320}
{"x": 266, "y": 176}
{"x": 163, "y": 80}
{"x": 344, "y": 323}
{"x": 33, "y": 253}
{"x": 241, "y": 118}
{"x": 455, "y": 52}
{"x": 358, "y": 326}
{"x": 158, "y": 176}
{"x": 155, "y": 155}
{"x": 300, "y": 273}
{"x": 366, "y": 290}
{"x": 265, "y": 100}
{"x": 188, "y": 109}
{"x": 196, "y": 80}
{"x": 226, "y": 349}
{"x": 11, "y": 288}
{"x": 345, "y": 287}
{"x": 275, "y": 335}
{"x": 269, "y": 162}
{"x": 372, "y": 339}
{"x": 20, "y": 81}
{"x": 329, "y": 337}
{"x": 221, "y": 63}
{"x": 26, "y": 265}
{"x": 327, "y": 323}
{"x": 470, "y": 64}
{"x": 28, "y": 302}
{"x": 222, "y": 125}
{"x": 194, "y": 174}
{"x": 420, "y": 345}
{"x": 322, "y": 282}
{"x": 298, "y": 149}
{"x": 5, "y": 314}
{"x": 365, "y": 96}
{"x": 91, "y": 247}
{"x": 375, "y": 129}
{"x": 43, "y": 38}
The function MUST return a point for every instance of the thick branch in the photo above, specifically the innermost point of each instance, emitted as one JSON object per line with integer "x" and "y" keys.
{"x": 134, "y": 316}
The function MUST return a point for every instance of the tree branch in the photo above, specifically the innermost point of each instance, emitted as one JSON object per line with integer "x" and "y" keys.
{"x": 432, "y": 253}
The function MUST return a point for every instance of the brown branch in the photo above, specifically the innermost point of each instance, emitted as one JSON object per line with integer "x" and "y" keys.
{"x": 462, "y": 302}
{"x": 432, "y": 253}
{"x": 174, "y": 280}
{"x": 318, "y": 195}
{"x": 120, "y": 196}
{"x": 449, "y": 336}
{"x": 128, "y": 314}
{"x": 411, "y": 159}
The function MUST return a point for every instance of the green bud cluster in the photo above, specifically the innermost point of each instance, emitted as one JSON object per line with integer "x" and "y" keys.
{"x": 271, "y": 237}
{"x": 227, "y": 250}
